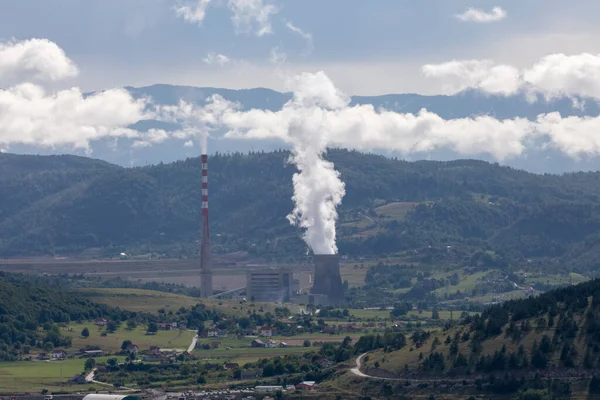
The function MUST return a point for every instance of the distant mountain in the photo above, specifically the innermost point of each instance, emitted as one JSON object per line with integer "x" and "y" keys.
{"x": 464, "y": 104}
{"x": 488, "y": 214}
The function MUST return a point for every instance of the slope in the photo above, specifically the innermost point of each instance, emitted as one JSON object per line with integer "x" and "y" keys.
{"x": 469, "y": 205}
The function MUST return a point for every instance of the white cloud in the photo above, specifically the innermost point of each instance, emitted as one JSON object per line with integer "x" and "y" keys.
{"x": 304, "y": 35}
{"x": 481, "y": 16}
{"x": 193, "y": 12}
{"x": 476, "y": 74}
{"x": 556, "y": 75}
{"x": 559, "y": 75}
{"x": 37, "y": 58}
{"x": 216, "y": 58}
{"x": 29, "y": 115}
{"x": 189, "y": 143}
{"x": 252, "y": 15}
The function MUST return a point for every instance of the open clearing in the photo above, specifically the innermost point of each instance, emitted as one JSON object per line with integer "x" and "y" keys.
{"x": 397, "y": 210}
{"x": 152, "y": 301}
{"x": 33, "y": 376}
{"x": 174, "y": 339}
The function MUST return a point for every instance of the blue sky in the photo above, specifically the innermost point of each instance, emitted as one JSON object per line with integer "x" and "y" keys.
{"x": 367, "y": 47}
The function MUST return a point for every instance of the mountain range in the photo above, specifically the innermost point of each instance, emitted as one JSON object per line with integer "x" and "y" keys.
{"x": 486, "y": 213}
{"x": 464, "y": 104}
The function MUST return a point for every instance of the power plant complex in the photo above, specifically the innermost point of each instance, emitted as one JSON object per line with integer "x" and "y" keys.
{"x": 272, "y": 284}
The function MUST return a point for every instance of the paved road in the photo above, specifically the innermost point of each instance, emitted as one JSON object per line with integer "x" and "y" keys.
{"x": 193, "y": 344}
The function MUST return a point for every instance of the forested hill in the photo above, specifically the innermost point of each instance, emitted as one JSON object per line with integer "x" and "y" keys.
{"x": 66, "y": 204}
{"x": 31, "y": 308}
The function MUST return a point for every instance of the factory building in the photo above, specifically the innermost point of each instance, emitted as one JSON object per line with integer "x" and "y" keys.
{"x": 269, "y": 285}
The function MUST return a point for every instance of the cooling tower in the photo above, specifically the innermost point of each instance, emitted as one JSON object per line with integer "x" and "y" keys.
{"x": 327, "y": 279}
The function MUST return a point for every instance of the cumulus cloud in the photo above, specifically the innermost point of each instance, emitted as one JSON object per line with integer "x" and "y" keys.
{"x": 34, "y": 58}
{"x": 481, "y": 16}
{"x": 216, "y": 58}
{"x": 556, "y": 75}
{"x": 29, "y": 115}
{"x": 193, "y": 12}
{"x": 476, "y": 74}
{"x": 304, "y": 35}
{"x": 252, "y": 16}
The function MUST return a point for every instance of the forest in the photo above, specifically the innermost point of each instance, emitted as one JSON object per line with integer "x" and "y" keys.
{"x": 68, "y": 205}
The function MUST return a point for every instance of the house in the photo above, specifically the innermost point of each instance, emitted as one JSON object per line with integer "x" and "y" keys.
{"x": 100, "y": 321}
{"x": 283, "y": 344}
{"x": 307, "y": 386}
{"x": 257, "y": 343}
{"x": 59, "y": 354}
{"x": 154, "y": 350}
{"x": 250, "y": 374}
{"x": 132, "y": 349}
{"x": 231, "y": 365}
{"x": 77, "y": 379}
{"x": 212, "y": 332}
{"x": 324, "y": 363}
{"x": 270, "y": 344}
{"x": 174, "y": 325}
{"x": 182, "y": 326}
{"x": 266, "y": 331}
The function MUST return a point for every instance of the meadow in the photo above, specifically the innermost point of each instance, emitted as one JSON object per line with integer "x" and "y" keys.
{"x": 175, "y": 339}
{"x": 33, "y": 376}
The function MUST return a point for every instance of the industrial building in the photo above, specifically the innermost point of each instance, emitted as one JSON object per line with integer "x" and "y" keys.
{"x": 273, "y": 284}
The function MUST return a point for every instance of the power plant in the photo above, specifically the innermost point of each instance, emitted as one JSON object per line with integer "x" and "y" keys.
{"x": 327, "y": 279}
{"x": 270, "y": 285}
{"x": 206, "y": 278}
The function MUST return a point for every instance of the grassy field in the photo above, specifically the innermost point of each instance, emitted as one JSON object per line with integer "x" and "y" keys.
{"x": 33, "y": 376}
{"x": 395, "y": 210}
{"x": 152, "y": 301}
{"x": 354, "y": 276}
{"x": 112, "y": 342}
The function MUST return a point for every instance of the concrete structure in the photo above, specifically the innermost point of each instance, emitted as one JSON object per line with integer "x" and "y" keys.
{"x": 327, "y": 279}
{"x": 269, "y": 285}
{"x": 206, "y": 278}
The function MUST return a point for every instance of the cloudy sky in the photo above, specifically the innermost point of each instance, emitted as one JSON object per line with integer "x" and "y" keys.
{"x": 366, "y": 47}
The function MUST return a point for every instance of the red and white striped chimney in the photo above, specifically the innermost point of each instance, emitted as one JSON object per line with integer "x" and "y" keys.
{"x": 206, "y": 284}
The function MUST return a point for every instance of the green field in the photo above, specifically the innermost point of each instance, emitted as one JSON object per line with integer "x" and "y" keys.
{"x": 33, "y": 376}
{"x": 175, "y": 339}
{"x": 152, "y": 301}
{"x": 395, "y": 210}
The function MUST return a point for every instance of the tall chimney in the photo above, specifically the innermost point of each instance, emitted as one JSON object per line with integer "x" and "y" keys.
{"x": 206, "y": 284}
{"x": 327, "y": 277}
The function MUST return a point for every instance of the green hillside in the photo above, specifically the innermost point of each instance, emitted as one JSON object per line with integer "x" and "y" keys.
{"x": 67, "y": 205}
{"x": 31, "y": 308}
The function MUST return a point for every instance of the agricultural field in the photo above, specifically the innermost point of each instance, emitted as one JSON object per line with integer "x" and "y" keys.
{"x": 396, "y": 210}
{"x": 152, "y": 301}
{"x": 175, "y": 339}
{"x": 33, "y": 376}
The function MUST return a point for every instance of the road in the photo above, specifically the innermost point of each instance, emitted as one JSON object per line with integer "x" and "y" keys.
{"x": 89, "y": 378}
{"x": 356, "y": 371}
{"x": 193, "y": 344}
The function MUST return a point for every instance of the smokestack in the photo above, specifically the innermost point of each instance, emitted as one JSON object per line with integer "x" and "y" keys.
{"x": 327, "y": 277}
{"x": 206, "y": 284}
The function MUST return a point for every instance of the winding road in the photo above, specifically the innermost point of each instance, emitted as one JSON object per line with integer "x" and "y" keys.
{"x": 193, "y": 344}
{"x": 356, "y": 371}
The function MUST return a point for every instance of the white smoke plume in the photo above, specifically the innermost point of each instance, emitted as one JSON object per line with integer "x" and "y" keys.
{"x": 553, "y": 76}
{"x": 35, "y": 58}
{"x": 481, "y": 16}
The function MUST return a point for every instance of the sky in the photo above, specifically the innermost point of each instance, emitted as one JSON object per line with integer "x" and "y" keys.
{"x": 366, "y": 47}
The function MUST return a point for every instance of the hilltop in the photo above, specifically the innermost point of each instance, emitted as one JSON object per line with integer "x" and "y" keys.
{"x": 462, "y": 212}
